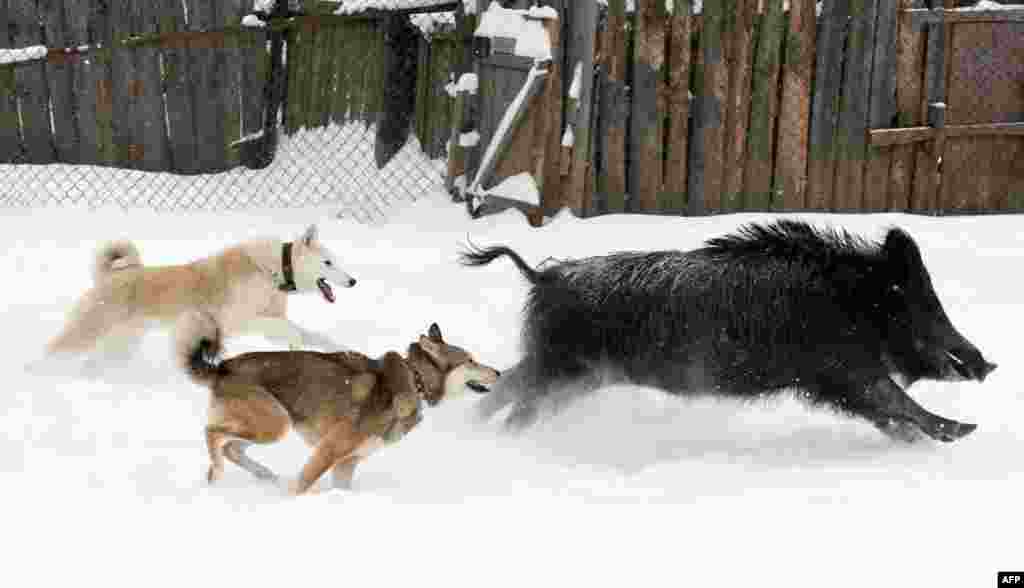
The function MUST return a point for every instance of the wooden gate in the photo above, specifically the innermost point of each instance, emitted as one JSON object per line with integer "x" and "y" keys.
{"x": 970, "y": 153}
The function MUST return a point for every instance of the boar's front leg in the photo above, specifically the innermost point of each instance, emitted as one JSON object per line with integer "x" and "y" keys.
{"x": 880, "y": 400}
{"x": 892, "y": 410}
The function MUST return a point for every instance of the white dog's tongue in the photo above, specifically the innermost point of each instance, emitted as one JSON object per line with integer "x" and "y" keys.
{"x": 325, "y": 289}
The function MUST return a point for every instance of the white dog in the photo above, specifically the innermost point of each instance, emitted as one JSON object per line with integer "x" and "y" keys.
{"x": 245, "y": 288}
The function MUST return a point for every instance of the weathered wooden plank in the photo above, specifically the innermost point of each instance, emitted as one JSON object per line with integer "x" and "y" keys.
{"x": 647, "y": 117}
{"x": 179, "y": 95}
{"x": 550, "y": 179}
{"x": 904, "y": 136}
{"x": 614, "y": 110}
{"x": 828, "y": 82}
{"x": 343, "y": 66}
{"x": 100, "y": 78}
{"x": 230, "y": 64}
{"x": 548, "y": 122}
{"x": 316, "y": 80}
{"x": 883, "y": 109}
{"x": 706, "y": 164}
{"x": 737, "y": 118}
{"x": 255, "y": 70}
{"x": 151, "y": 129}
{"x": 674, "y": 196}
{"x": 791, "y": 166}
{"x": 986, "y": 129}
{"x": 764, "y": 107}
{"x": 922, "y": 17}
{"x": 909, "y": 77}
{"x": 206, "y": 73}
{"x": 853, "y": 119}
{"x": 297, "y": 48}
{"x": 465, "y": 24}
{"x": 60, "y": 77}
{"x": 83, "y": 94}
{"x": 30, "y": 80}
{"x": 10, "y": 128}
{"x": 584, "y": 37}
{"x": 926, "y": 180}
{"x": 441, "y": 64}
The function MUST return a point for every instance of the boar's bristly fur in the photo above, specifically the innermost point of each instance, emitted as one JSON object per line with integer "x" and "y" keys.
{"x": 768, "y": 308}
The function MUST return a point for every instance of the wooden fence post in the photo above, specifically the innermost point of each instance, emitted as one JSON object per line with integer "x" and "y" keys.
{"x": 791, "y": 166}
{"x": 614, "y": 109}
{"x": 647, "y": 122}
{"x": 584, "y": 27}
{"x": 909, "y": 75}
{"x": 674, "y": 195}
{"x": 737, "y": 115}
{"x": 465, "y": 26}
{"x": 548, "y": 138}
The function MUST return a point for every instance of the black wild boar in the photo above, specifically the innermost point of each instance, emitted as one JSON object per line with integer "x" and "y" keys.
{"x": 770, "y": 307}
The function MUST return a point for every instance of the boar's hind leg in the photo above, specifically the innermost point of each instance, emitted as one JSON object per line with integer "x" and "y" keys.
{"x": 886, "y": 405}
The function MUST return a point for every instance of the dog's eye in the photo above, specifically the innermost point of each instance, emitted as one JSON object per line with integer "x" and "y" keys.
{"x": 328, "y": 263}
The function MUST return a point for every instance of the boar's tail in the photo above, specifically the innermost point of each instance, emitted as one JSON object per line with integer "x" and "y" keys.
{"x": 476, "y": 257}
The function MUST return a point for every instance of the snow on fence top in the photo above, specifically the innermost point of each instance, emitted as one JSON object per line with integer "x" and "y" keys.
{"x": 524, "y": 26}
{"x": 353, "y": 6}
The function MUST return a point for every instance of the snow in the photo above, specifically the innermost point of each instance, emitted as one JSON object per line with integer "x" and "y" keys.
{"x": 22, "y": 54}
{"x": 354, "y": 6}
{"x": 470, "y": 139}
{"x": 432, "y": 22}
{"x": 251, "y": 20}
{"x": 569, "y": 136}
{"x": 468, "y": 82}
{"x": 626, "y": 488}
{"x": 531, "y": 38}
{"x": 990, "y": 5}
{"x": 264, "y": 6}
{"x": 575, "y": 88}
{"x": 522, "y": 187}
{"x": 346, "y": 177}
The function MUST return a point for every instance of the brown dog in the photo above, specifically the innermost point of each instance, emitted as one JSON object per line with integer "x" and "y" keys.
{"x": 345, "y": 405}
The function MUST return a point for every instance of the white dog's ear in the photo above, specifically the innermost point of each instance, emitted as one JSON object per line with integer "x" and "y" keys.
{"x": 310, "y": 236}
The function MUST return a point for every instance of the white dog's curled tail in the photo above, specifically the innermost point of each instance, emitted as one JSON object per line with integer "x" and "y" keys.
{"x": 114, "y": 256}
{"x": 198, "y": 346}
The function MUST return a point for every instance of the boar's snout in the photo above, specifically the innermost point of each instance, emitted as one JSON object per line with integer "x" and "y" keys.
{"x": 967, "y": 363}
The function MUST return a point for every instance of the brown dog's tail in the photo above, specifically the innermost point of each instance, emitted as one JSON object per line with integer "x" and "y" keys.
{"x": 198, "y": 347}
{"x": 112, "y": 257}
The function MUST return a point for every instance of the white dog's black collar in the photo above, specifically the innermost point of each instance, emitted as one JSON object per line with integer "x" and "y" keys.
{"x": 286, "y": 267}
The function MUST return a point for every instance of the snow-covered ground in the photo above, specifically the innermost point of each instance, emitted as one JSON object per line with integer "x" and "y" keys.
{"x": 103, "y": 479}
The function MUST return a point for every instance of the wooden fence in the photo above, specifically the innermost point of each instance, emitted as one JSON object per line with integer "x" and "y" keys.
{"x": 766, "y": 105}
{"x": 166, "y": 85}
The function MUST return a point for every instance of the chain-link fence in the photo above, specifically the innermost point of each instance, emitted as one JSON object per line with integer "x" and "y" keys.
{"x": 199, "y": 107}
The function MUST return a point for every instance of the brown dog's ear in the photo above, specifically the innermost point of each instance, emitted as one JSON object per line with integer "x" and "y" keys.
{"x": 435, "y": 333}
{"x": 433, "y": 349}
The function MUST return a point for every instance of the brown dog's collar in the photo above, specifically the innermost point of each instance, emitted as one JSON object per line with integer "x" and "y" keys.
{"x": 421, "y": 386}
{"x": 286, "y": 267}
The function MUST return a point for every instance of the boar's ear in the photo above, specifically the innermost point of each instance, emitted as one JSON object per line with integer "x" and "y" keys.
{"x": 902, "y": 253}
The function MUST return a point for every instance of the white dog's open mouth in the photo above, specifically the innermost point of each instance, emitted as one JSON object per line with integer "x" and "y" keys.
{"x": 325, "y": 289}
